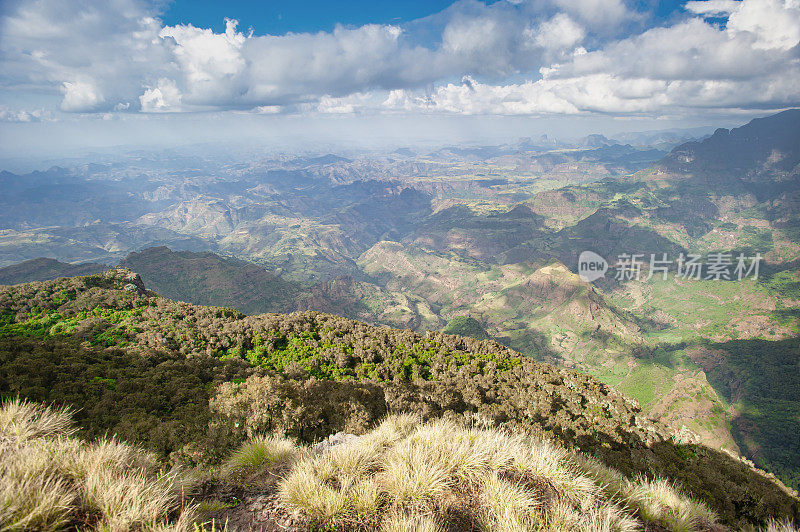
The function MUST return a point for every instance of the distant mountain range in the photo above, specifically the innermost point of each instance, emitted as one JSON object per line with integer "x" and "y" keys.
{"x": 479, "y": 241}
{"x": 44, "y": 269}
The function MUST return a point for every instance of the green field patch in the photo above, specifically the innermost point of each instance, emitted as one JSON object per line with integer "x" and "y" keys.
{"x": 645, "y": 381}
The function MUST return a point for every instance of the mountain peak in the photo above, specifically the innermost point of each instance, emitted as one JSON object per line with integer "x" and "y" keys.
{"x": 596, "y": 140}
{"x": 772, "y": 141}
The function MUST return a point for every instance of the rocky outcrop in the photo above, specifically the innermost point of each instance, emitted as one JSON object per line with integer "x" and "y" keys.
{"x": 136, "y": 285}
{"x": 130, "y": 281}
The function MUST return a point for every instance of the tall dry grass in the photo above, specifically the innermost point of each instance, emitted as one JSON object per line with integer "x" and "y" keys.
{"x": 401, "y": 476}
{"x": 405, "y": 475}
{"x": 258, "y": 453}
{"x": 49, "y": 480}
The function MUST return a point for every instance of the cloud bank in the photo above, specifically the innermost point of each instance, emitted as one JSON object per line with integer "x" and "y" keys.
{"x": 513, "y": 57}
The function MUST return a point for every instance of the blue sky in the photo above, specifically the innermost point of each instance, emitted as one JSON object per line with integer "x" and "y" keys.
{"x": 104, "y": 72}
{"x": 280, "y": 17}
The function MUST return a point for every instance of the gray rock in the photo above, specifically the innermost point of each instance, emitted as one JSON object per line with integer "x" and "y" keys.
{"x": 135, "y": 280}
{"x": 340, "y": 438}
{"x": 131, "y": 288}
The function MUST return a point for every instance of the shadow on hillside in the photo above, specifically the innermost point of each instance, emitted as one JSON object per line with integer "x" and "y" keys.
{"x": 663, "y": 354}
{"x": 739, "y": 494}
{"x": 787, "y": 315}
{"x": 491, "y": 236}
{"x": 533, "y": 344}
{"x": 761, "y": 377}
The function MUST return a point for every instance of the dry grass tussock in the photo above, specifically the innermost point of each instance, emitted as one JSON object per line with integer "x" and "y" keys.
{"x": 780, "y": 526}
{"x": 405, "y": 475}
{"x": 258, "y": 453}
{"x": 402, "y": 476}
{"x": 50, "y": 480}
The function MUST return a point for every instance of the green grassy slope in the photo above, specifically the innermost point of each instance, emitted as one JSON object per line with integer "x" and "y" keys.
{"x": 466, "y": 326}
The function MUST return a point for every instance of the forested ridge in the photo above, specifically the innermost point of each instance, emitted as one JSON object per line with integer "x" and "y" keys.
{"x": 191, "y": 383}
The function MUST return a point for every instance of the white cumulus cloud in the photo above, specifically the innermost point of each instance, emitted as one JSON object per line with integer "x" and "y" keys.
{"x": 22, "y": 115}
{"x": 471, "y": 97}
{"x": 209, "y": 62}
{"x": 512, "y": 57}
{"x": 164, "y": 97}
{"x": 558, "y": 32}
{"x": 775, "y": 24}
{"x": 81, "y": 96}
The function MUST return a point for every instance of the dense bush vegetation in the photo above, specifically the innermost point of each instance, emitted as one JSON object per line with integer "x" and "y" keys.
{"x": 191, "y": 383}
{"x": 160, "y": 401}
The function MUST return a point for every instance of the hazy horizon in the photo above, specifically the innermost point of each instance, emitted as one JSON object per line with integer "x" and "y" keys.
{"x": 329, "y": 137}
{"x": 149, "y": 73}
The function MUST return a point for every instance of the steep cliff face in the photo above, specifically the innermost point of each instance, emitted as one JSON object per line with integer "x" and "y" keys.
{"x": 765, "y": 149}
